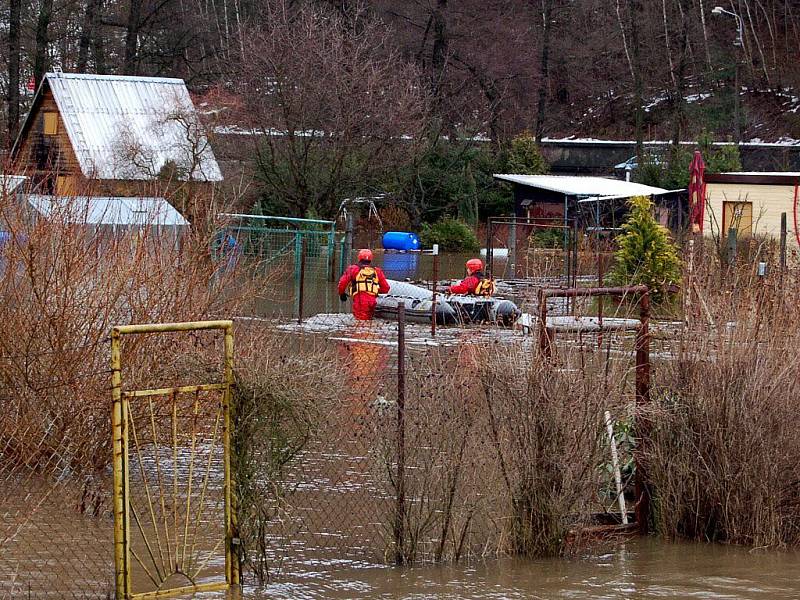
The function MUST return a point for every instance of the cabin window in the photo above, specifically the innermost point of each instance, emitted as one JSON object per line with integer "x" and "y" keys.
{"x": 739, "y": 216}
{"x": 65, "y": 185}
{"x": 50, "y": 123}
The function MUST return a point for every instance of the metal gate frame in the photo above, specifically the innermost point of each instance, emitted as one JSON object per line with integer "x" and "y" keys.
{"x": 119, "y": 417}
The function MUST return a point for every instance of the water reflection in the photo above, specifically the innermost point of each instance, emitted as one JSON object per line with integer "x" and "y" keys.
{"x": 320, "y": 294}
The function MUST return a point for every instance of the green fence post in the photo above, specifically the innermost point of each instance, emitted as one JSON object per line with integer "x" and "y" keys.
{"x": 329, "y": 264}
{"x": 298, "y": 251}
{"x": 342, "y": 257}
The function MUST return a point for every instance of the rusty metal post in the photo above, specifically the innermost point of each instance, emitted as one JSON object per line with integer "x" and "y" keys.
{"x": 400, "y": 501}
{"x": 687, "y": 289}
{"x": 301, "y": 286}
{"x": 600, "y": 274}
{"x": 783, "y": 242}
{"x": 544, "y": 334}
{"x": 642, "y": 418}
{"x": 489, "y": 253}
{"x": 435, "y": 281}
{"x": 512, "y": 248}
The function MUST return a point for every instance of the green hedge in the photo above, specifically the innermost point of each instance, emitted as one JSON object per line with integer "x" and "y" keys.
{"x": 451, "y": 235}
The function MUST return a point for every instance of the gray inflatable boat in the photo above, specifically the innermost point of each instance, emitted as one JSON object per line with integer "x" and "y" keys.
{"x": 450, "y": 309}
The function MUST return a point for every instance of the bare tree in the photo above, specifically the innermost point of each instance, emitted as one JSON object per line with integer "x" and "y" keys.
{"x": 12, "y": 95}
{"x": 42, "y": 40}
{"x": 334, "y": 106}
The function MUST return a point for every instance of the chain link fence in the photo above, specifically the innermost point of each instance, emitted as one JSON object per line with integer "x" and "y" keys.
{"x": 407, "y": 448}
{"x": 354, "y": 443}
{"x": 56, "y": 526}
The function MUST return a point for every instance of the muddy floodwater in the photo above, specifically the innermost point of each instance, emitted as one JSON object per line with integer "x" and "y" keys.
{"x": 638, "y": 568}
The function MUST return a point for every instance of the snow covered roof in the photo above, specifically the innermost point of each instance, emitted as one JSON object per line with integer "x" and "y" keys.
{"x": 130, "y": 127}
{"x": 100, "y": 210}
{"x": 583, "y": 186}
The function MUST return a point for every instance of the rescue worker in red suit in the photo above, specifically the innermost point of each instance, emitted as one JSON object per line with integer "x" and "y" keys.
{"x": 364, "y": 282}
{"x": 475, "y": 283}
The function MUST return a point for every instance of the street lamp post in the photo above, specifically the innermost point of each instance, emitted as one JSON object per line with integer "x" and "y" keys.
{"x": 718, "y": 10}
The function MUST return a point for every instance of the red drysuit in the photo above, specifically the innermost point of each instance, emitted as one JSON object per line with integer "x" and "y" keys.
{"x": 363, "y": 303}
{"x": 468, "y": 285}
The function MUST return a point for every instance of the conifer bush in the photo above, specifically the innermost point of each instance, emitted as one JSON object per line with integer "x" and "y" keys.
{"x": 646, "y": 254}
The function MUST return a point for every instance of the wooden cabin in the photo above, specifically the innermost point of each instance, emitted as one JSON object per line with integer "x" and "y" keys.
{"x": 751, "y": 203}
{"x": 113, "y": 136}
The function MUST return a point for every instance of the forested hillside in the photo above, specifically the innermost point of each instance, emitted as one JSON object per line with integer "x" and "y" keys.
{"x": 423, "y": 71}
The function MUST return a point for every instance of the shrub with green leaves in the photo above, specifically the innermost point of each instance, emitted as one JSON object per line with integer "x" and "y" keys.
{"x": 646, "y": 254}
{"x": 451, "y": 235}
{"x": 551, "y": 237}
{"x": 524, "y": 156}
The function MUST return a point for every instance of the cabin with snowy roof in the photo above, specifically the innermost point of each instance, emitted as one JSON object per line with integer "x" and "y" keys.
{"x": 112, "y": 136}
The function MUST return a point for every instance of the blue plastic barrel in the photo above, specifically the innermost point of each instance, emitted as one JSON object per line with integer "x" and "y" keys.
{"x": 400, "y": 266}
{"x": 400, "y": 240}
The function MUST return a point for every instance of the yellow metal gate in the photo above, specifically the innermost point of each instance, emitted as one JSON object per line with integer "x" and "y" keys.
{"x": 174, "y": 518}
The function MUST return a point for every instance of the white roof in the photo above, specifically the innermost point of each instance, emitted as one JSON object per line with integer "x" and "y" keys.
{"x": 9, "y": 183}
{"x": 583, "y": 186}
{"x": 758, "y": 173}
{"x": 98, "y": 210}
{"x": 130, "y": 127}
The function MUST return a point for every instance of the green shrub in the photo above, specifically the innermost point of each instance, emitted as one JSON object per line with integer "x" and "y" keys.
{"x": 547, "y": 238}
{"x": 524, "y": 156}
{"x": 671, "y": 170}
{"x": 646, "y": 254}
{"x": 451, "y": 235}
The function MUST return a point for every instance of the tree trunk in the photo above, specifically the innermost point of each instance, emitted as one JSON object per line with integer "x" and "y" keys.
{"x": 544, "y": 69}
{"x": 680, "y": 75}
{"x": 42, "y": 40}
{"x": 634, "y": 8}
{"x": 12, "y": 95}
{"x": 440, "y": 46}
{"x": 85, "y": 42}
{"x": 98, "y": 52}
{"x": 132, "y": 38}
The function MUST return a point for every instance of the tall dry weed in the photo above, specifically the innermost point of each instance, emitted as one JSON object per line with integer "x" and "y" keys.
{"x": 63, "y": 286}
{"x": 724, "y": 454}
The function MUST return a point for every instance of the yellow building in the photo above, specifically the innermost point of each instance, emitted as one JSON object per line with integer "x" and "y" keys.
{"x": 751, "y": 203}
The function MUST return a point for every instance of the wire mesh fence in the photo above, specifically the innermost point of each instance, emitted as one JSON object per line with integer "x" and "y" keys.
{"x": 412, "y": 449}
{"x": 354, "y": 442}
{"x": 56, "y": 529}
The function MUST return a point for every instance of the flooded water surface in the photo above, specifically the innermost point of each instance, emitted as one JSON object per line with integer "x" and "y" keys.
{"x": 639, "y": 568}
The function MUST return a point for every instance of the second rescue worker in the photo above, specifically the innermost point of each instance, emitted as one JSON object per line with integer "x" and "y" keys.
{"x": 476, "y": 283}
{"x": 363, "y": 282}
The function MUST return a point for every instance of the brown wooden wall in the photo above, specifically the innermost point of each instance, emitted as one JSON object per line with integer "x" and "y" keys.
{"x": 40, "y": 156}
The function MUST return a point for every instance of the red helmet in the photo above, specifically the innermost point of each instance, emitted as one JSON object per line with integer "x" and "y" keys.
{"x": 474, "y": 264}
{"x": 365, "y": 254}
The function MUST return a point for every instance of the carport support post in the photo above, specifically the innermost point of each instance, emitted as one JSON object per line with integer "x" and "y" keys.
{"x": 400, "y": 499}
{"x": 642, "y": 418}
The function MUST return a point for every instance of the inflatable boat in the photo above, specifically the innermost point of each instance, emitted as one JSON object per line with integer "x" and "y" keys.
{"x": 450, "y": 309}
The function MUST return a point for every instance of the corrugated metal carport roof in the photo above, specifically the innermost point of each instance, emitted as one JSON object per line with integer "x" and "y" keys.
{"x": 96, "y": 210}
{"x": 582, "y": 186}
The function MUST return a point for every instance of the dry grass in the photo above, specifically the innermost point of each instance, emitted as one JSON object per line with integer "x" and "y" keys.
{"x": 724, "y": 454}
